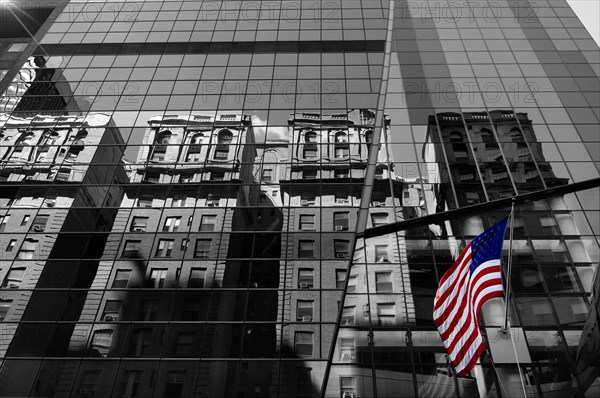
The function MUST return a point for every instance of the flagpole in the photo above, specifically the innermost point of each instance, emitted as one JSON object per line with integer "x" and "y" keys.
{"x": 508, "y": 276}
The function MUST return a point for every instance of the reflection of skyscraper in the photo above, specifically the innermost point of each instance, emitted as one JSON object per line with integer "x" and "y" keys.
{"x": 268, "y": 326}
{"x": 483, "y": 157}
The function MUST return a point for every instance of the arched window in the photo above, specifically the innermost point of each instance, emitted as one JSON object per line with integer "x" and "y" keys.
{"x": 223, "y": 141}
{"x": 77, "y": 145}
{"x": 310, "y": 145}
{"x": 48, "y": 139}
{"x": 194, "y": 147}
{"x": 341, "y": 145}
{"x": 516, "y": 135}
{"x": 24, "y": 141}
{"x": 160, "y": 146}
{"x": 487, "y": 137}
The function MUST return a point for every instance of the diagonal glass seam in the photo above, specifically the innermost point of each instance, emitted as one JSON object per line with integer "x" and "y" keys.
{"x": 478, "y": 208}
{"x": 363, "y": 212}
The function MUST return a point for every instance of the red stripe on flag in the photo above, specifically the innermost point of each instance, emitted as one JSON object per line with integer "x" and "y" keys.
{"x": 473, "y": 361}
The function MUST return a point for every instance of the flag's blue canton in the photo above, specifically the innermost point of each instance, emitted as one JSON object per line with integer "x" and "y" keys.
{"x": 488, "y": 245}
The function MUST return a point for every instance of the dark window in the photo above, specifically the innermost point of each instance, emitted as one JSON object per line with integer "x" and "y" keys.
{"x": 160, "y": 146}
{"x": 111, "y": 310}
{"x": 307, "y": 222}
{"x": 202, "y": 248}
{"x": 28, "y": 248}
{"x": 165, "y": 248}
{"x": 381, "y": 254}
{"x": 158, "y": 277}
{"x": 223, "y": 143}
{"x": 309, "y": 174}
{"x": 121, "y": 278}
{"x": 194, "y": 148}
{"x": 340, "y": 278}
{"x": 340, "y": 221}
{"x": 11, "y": 245}
{"x": 174, "y": 386}
{"x": 4, "y": 308}
{"x": 207, "y": 222}
{"x": 171, "y": 224}
{"x": 197, "y": 277}
{"x": 306, "y": 277}
{"x": 14, "y": 278}
{"x": 39, "y": 223}
{"x": 139, "y": 224}
{"x": 383, "y": 282}
{"x": 303, "y": 344}
{"x": 341, "y": 145}
{"x": 304, "y": 385}
{"x": 341, "y": 248}
{"x": 145, "y": 201}
{"x": 310, "y": 145}
{"x": 131, "y": 248}
{"x": 306, "y": 249}
{"x": 304, "y": 310}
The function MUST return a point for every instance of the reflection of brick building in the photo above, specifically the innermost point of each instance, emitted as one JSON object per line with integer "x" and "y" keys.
{"x": 485, "y": 156}
{"x": 319, "y": 190}
{"x": 56, "y": 190}
{"x": 176, "y": 244}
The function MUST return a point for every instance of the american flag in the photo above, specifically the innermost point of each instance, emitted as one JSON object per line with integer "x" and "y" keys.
{"x": 474, "y": 278}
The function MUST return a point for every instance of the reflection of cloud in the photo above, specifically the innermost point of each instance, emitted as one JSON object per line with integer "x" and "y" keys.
{"x": 263, "y": 133}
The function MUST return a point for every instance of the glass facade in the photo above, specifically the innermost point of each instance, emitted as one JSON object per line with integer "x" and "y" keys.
{"x": 258, "y": 198}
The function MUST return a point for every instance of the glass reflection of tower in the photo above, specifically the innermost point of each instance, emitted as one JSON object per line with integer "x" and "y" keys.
{"x": 172, "y": 272}
{"x": 486, "y": 156}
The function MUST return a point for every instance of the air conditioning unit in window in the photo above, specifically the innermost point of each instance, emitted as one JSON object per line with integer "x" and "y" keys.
{"x": 50, "y": 203}
{"x": 339, "y": 228}
{"x": 377, "y": 203}
{"x": 212, "y": 204}
{"x": 13, "y": 285}
{"x": 84, "y": 392}
{"x": 306, "y": 318}
{"x": 110, "y": 318}
{"x": 38, "y": 228}
{"x": 348, "y": 394}
{"x": 305, "y": 286}
{"x": 341, "y": 255}
{"x": 341, "y": 201}
{"x": 382, "y": 260}
{"x": 346, "y": 356}
{"x": 304, "y": 202}
{"x": 139, "y": 229}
